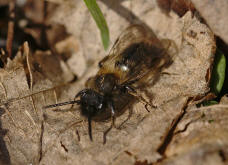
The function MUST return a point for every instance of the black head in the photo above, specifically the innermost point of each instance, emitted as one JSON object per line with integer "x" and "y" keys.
{"x": 91, "y": 102}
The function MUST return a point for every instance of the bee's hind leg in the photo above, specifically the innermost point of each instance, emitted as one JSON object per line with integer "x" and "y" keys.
{"x": 111, "y": 106}
{"x": 133, "y": 92}
{"x": 130, "y": 108}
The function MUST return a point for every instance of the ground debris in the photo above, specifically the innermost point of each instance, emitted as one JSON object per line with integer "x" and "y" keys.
{"x": 59, "y": 135}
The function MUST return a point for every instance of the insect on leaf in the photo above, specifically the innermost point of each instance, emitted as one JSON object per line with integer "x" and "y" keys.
{"x": 100, "y": 21}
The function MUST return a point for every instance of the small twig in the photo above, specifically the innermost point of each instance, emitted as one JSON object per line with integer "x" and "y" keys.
{"x": 33, "y": 105}
{"x": 4, "y": 89}
{"x": 56, "y": 100}
{"x": 78, "y": 135}
{"x": 41, "y": 141}
{"x": 211, "y": 106}
{"x": 9, "y": 41}
{"x": 26, "y": 52}
{"x": 32, "y": 120}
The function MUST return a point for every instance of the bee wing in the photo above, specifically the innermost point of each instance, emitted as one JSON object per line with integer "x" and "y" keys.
{"x": 131, "y": 35}
{"x": 135, "y": 53}
{"x": 159, "y": 61}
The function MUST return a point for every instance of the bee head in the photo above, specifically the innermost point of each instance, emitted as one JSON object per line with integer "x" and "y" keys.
{"x": 91, "y": 102}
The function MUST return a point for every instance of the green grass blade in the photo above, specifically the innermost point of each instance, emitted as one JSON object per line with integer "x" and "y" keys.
{"x": 218, "y": 73}
{"x": 100, "y": 21}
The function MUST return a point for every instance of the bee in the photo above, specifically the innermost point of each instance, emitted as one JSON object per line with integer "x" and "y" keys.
{"x": 136, "y": 54}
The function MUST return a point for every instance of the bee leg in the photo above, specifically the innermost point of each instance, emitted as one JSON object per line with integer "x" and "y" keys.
{"x": 129, "y": 116}
{"x": 90, "y": 128}
{"x": 110, "y": 104}
{"x": 169, "y": 73}
{"x": 112, "y": 114}
{"x": 133, "y": 92}
{"x": 105, "y": 134}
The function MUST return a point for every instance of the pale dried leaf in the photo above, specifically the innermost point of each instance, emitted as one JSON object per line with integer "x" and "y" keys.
{"x": 23, "y": 111}
{"x": 76, "y": 62}
{"x": 201, "y": 137}
{"x": 215, "y": 13}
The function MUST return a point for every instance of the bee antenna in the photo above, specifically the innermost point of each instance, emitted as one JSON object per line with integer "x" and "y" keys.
{"x": 81, "y": 93}
{"x": 90, "y": 128}
{"x": 61, "y": 104}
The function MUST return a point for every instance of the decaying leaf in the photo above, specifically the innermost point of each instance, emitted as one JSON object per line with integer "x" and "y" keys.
{"x": 215, "y": 14}
{"x": 60, "y": 136}
{"x": 201, "y": 137}
{"x": 178, "y": 6}
{"x": 23, "y": 111}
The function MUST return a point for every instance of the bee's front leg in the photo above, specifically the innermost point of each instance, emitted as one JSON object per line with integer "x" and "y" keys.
{"x": 113, "y": 117}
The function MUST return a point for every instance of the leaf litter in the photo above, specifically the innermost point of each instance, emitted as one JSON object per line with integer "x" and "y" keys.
{"x": 200, "y": 137}
{"x": 60, "y": 136}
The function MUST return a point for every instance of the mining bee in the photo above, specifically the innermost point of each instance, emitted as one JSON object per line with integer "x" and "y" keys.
{"x": 136, "y": 54}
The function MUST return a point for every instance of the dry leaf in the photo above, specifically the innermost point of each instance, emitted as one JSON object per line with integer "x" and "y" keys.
{"x": 201, "y": 137}
{"x": 215, "y": 13}
{"x": 178, "y": 6}
{"x": 23, "y": 115}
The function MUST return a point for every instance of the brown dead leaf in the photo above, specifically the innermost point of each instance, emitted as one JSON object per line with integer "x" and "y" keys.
{"x": 178, "y": 6}
{"x": 215, "y": 13}
{"x": 68, "y": 49}
{"x": 23, "y": 112}
{"x": 201, "y": 137}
